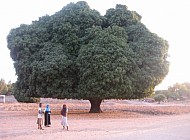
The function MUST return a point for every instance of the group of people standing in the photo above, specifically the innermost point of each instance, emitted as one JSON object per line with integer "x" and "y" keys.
{"x": 47, "y": 119}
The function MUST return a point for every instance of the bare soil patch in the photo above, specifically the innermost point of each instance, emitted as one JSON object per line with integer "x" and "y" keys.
{"x": 18, "y": 120}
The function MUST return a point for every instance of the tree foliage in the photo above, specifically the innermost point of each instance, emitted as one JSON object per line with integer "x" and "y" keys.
{"x": 77, "y": 53}
{"x": 3, "y": 87}
{"x": 177, "y": 91}
{"x": 159, "y": 97}
{"x": 6, "y": 88}
{"x": 180, "y": 91}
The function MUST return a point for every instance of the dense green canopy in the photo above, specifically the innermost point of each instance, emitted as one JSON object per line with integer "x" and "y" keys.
{"x": 78, "y": 53}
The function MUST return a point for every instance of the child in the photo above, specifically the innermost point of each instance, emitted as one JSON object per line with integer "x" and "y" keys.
{"x": 47, "y": 113}
{"x": 64, "y": 112}
{"x": 40, "y": 114}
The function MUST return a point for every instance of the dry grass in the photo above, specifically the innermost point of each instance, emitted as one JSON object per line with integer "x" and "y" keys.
{"x": 111, "y": 108}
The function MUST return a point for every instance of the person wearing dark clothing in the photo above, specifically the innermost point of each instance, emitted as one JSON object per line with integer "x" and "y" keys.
{"x": 47, "y": 119}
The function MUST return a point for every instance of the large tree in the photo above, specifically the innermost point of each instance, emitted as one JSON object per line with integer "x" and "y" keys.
{"x": 77, "y": 53}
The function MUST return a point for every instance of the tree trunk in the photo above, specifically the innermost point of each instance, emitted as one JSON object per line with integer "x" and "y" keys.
{"x": 95, "y": 105}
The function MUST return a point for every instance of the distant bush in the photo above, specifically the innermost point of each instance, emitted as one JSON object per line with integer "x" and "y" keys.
{"x": 159, "y": 97}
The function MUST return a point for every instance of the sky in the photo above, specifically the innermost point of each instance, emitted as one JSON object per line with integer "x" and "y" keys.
{"x": 169, "y": 19}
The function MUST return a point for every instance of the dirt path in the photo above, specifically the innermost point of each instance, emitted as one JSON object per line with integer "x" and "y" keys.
{"x": 20, "y": 126}
{"x": 121, "y": 120}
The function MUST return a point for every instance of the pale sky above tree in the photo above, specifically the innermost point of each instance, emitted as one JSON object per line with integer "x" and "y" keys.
{"x": 168, "y": 19}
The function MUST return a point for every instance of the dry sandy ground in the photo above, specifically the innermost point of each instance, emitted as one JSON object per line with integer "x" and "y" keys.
{"x": 120, "y": 119}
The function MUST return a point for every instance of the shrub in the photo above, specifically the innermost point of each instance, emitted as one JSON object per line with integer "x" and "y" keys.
{"x": 159, "y": 97}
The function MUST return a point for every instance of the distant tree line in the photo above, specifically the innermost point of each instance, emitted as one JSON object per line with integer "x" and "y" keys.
{"x": 6, "y": 88}
{"x": 176, "y": 92}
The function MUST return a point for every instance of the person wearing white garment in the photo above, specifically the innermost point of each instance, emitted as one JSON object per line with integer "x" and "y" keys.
{"x": 40, "y": 114}
{"x": 64, "y": 113}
